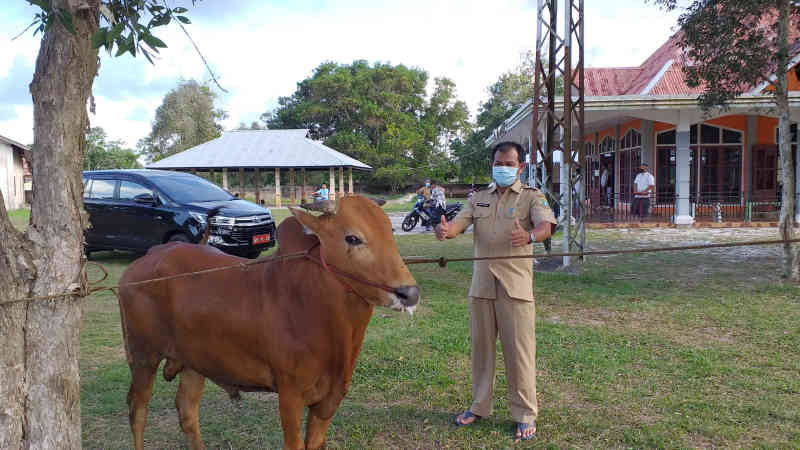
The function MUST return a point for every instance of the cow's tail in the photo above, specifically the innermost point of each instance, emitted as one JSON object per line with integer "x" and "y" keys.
{"x": 207, "y": 232}
{"x": 124, "y": 327}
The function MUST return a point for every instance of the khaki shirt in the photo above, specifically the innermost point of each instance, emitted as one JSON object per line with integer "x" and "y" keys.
{"x": 425, "y": 191}
{"x": 493, "y": 219}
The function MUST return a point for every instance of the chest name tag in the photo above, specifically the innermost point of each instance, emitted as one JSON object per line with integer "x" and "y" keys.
{"x": 485, "y": 205}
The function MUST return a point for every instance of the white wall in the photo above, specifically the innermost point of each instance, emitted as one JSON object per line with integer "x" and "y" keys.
{"x": 11, "y": 177}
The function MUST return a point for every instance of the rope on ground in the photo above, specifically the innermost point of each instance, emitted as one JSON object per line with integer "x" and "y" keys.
{"x": 85, "y": 288}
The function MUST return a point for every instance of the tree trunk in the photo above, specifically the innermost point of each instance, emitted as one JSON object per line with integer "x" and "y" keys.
{"x": 39, "y": 376}
{"x": 786, "y": 224}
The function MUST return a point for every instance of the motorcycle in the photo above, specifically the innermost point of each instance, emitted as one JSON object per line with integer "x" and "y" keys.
{"x": 420, "y": 213}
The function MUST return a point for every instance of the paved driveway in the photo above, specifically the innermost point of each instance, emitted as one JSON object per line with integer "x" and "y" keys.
{"x": 397, "y": 221}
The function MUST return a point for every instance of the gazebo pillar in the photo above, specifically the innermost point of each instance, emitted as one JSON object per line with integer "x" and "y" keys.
{"x": 277, "y": 187}
{"x": 241, "y": 182}
{"x": 211, "y": 176}
{"x": 303, "y": 186}
{"x": 341, "y": 181}
{"x": 225, "y": 178}
{"x": 332, "y": 186}
{"x": 257, "y": 184}
{"x": 350, "y": 180}
{"x": 292, "y": 188}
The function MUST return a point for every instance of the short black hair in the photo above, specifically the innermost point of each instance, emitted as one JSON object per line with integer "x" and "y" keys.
{"x": 509, "y": 145}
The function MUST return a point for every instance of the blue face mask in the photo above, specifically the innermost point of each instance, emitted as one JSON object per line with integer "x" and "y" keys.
{"x": 504, "y": 176}
{"x": 427, "y": 185}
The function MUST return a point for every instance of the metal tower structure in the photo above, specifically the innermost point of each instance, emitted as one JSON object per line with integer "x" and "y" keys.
{"x": 559, "y": 126}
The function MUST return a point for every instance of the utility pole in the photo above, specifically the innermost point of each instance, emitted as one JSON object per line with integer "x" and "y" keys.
{"x": 560, "y": 127}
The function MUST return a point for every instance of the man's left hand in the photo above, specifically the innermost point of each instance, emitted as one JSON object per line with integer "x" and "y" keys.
{"x": 519, "y": 236}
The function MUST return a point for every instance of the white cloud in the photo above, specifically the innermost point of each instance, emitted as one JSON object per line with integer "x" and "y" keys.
{"x": 261, "y": 51}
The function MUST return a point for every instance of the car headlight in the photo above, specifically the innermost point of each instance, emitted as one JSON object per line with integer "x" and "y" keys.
{"x": 199, "y": 217}
{"x": 222, "y": 220}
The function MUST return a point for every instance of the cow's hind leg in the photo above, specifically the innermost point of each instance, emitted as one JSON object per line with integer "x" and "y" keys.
{"x": 142, "y": 379}
{"x": 187, "y": 401}
{"x": 317, "y": 427}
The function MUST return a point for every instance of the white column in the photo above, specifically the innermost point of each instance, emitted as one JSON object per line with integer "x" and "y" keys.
{"x": 350, "y": 180}
{"x": 225, "y": 178}
{"x": 277, "y": 187}
{"x": 683, "y": 161}
{"x": 341, "y": 181}
{"x": 332, "y": 185}
{"x": 797, "y": 184}
{"x": 563, "y": 189}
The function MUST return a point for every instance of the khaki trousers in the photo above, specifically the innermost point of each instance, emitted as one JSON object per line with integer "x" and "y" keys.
{"x": 515, "y": 321}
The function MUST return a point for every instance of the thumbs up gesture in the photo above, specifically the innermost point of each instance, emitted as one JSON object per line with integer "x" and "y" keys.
{"x": 442, "y": 229}
{"x": 519, "y": 236}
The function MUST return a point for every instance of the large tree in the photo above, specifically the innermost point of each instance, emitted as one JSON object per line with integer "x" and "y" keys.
{"x": 104, "y": 153}
{"x": 186, "y": 117}
{"x": 39, "y": 376}
{"x": 732, "y": 46}
{"x": 378, "y": 114}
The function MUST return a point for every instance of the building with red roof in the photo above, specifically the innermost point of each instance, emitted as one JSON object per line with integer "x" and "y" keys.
{"x": 721, "y": 165}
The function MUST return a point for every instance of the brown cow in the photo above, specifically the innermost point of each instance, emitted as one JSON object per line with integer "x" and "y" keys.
{"x": 291, "y": 326}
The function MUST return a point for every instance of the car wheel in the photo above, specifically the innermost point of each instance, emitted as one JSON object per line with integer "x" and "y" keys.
{"x": 178, "y": 237}
{"x": 410, "y": 222}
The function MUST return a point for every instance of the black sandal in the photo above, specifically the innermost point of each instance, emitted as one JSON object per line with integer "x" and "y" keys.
{"x": 466, "y": 415}
{"x": 520, "y": 428}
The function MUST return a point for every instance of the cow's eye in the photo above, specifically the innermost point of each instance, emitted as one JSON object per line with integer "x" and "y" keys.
{"x": 352, "y": 240}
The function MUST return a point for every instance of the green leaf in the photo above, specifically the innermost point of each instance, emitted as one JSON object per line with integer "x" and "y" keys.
{"x": 147, "y": 55}
{"x": 99, "y": 38}
{"x": 44, "y": 4}
{"x": 122, "y": 46}
{"x": 153, "y": 41}
{"x": 184, "y": 19}
{"x": 179, "y": 10}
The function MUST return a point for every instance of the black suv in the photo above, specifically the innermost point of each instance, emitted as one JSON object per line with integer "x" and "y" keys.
{"x": 137, "y": 209}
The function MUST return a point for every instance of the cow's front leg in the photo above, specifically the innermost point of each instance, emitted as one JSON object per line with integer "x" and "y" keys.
{"x": 291, "y": 407}
{"x": 317, "y": 426}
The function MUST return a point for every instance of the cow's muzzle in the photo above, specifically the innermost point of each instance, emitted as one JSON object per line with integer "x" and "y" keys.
{"x": 408, "y": 295}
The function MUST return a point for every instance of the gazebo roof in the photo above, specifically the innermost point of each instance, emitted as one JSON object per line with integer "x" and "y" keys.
{"x": 263, "y": 149}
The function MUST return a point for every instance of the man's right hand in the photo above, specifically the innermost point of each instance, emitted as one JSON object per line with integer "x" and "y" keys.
{"x": 442, "y": 229}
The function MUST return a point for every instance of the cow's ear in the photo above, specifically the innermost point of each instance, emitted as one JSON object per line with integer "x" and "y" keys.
{"x": 308, "y": 220}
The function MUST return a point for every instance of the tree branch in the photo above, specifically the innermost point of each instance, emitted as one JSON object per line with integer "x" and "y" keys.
{"x": 197, "y": 49}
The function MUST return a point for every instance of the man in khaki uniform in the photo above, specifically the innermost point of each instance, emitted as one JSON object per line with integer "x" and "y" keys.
{"x": 507, "y": 217}
{"x": 425, "y": 190}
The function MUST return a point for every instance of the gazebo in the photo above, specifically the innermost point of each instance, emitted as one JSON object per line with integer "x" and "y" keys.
{"x": 254, "y": 152}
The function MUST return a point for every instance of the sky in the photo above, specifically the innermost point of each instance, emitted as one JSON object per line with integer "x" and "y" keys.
{"x": 261, "y": 49}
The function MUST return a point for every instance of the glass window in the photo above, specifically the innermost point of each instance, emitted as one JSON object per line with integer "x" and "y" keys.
{"x": 693, "y": 134}
{"x": 102, "y": 189}
{"x": 731, "y": 137}
{"x": 666, "y": 138}
{"x": 128, "y": 190}
{"x": 190, "y": 189}
{"x": 709, "y": 134}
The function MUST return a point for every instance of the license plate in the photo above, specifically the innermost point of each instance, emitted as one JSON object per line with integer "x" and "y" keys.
{"x": 260, "y": 239}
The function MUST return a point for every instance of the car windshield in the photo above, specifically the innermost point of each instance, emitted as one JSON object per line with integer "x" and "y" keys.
{"x": 191, "y": 189}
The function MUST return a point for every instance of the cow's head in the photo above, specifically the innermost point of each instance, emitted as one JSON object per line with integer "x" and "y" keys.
{"x": 356, "y": 237}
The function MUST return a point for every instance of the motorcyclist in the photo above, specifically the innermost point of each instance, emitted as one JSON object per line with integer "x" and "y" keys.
{"x": 437, "y": 203}
{"x": 425, "y": 190}
{"x": 321, "y": 193}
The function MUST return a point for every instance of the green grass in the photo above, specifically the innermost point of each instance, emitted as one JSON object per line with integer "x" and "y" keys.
{"x": 19, "y": 218}
{"x": 655, "y": 350}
